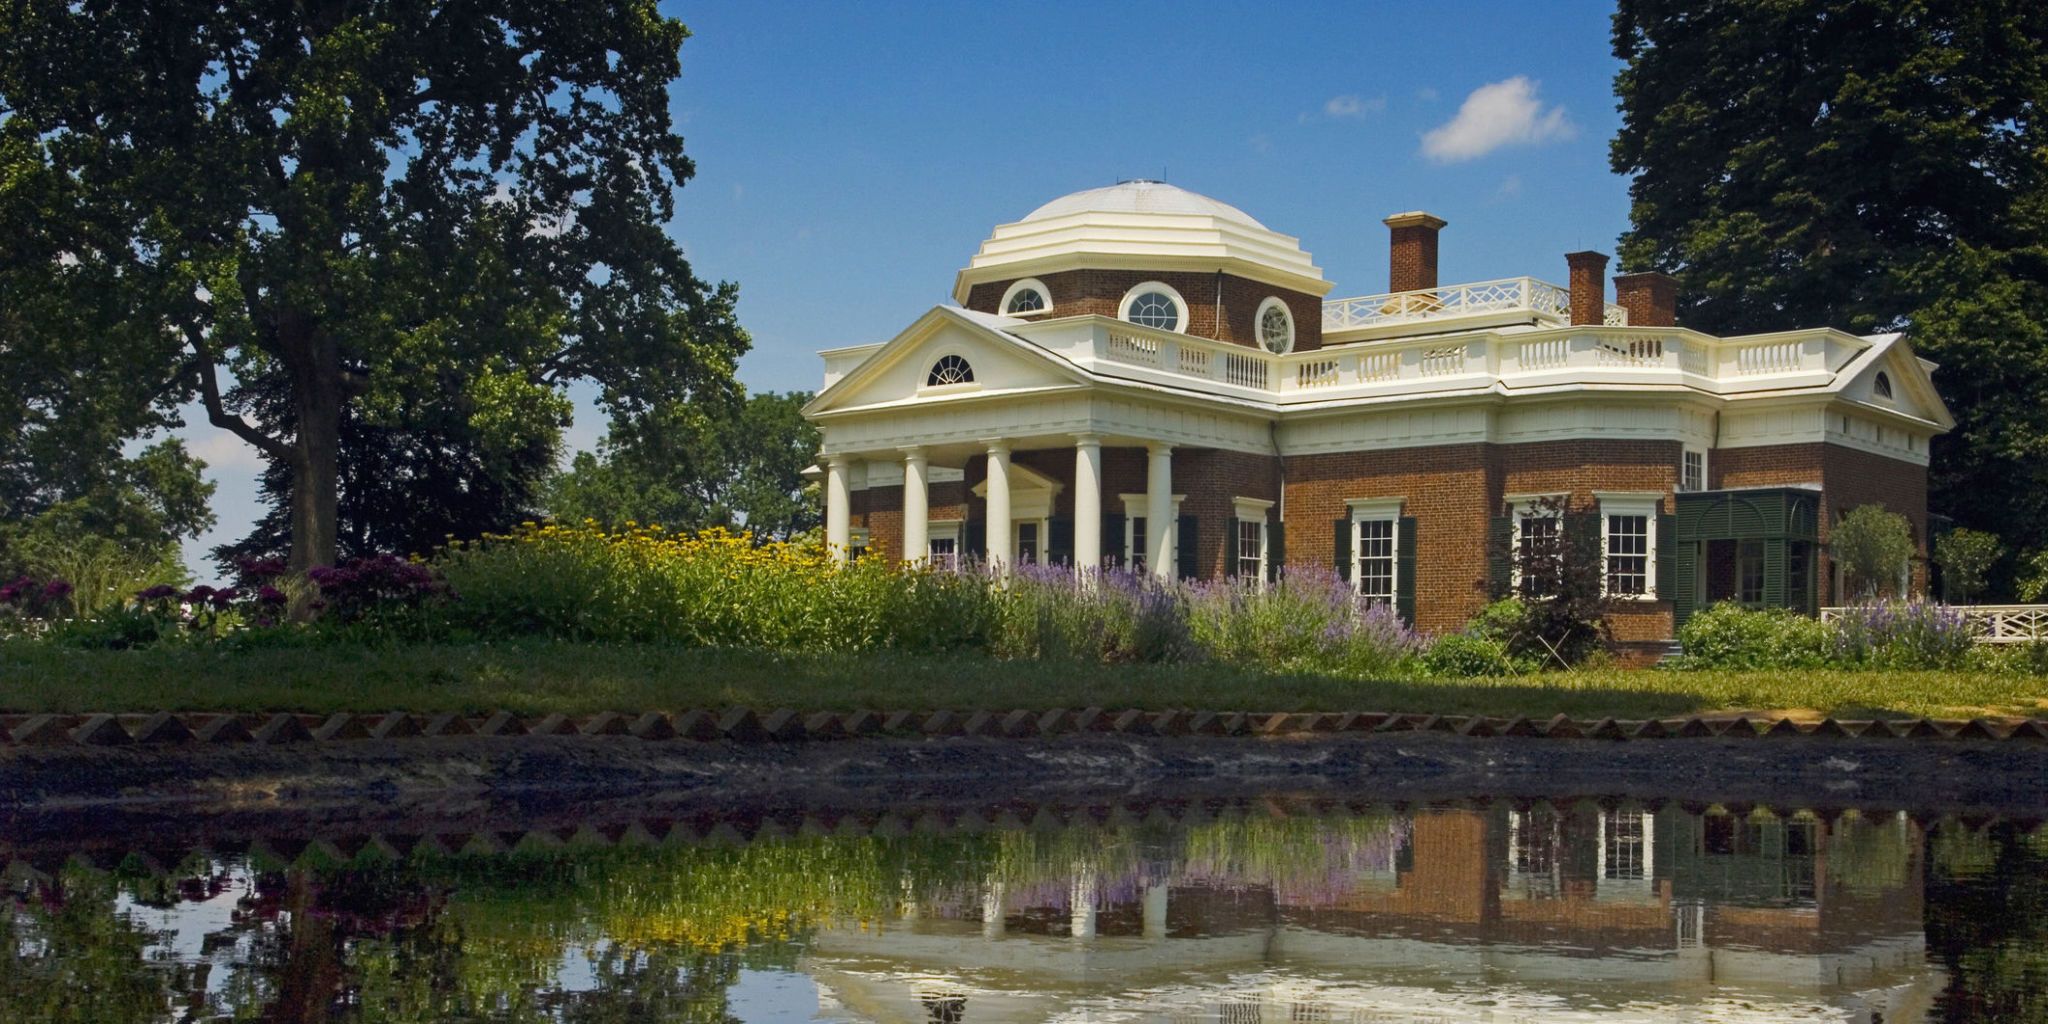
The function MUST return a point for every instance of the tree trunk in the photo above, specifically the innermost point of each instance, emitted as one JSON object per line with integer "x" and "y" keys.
{"x": 317, "y": 398}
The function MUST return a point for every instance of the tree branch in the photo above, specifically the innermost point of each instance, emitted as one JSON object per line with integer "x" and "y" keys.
{"x": 216, "y": 411}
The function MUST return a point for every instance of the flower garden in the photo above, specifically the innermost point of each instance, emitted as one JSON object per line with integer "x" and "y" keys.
{"x": 582, "y": 594}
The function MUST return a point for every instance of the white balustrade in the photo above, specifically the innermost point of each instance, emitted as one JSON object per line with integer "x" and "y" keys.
{"x": 1379, "y": 366}
{"x": 1636, "y": 351}
{"x": 1443, "y": 361}
{"x": 1505, "y": 295}
{"x": 1544, "y": 354}
{"x": 1127, "y": 347}
{"x": 1245, "y": 371}
{"x": 1316, "y": 373}
{"x": 1194, "y": 361}
{"x": 1770, "y": 357}
{"x": 1692, "y": 358}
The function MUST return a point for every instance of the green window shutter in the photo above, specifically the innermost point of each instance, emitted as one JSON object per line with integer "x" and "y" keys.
{"x": 1500, "y": 555}
{"x": 1112, "y": 539}
{"x": 1059, "y": 540}
{"x": 1404, "y": 570}
{"x": 1340, "y": 559}
{"x": 1667, "y": 557}
{"x": 1230, "y": 547}
{"x": 1774, "y": 572}
{"x": 1189, "y": 547}
{"x": 1276, "y": 549}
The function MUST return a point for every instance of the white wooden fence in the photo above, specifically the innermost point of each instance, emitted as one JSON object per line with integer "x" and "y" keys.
{"x": 1992, "y": 623}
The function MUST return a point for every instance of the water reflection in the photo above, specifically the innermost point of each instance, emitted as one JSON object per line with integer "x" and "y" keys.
{"x": 1499, "y": 912}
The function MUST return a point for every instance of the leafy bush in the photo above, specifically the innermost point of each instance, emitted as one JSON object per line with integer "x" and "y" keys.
{"x": 1875, "y": 547}
{"x": 1729, "y": 636}
{"x": 1468, "y": 654}
{"x": 1308, "y": 620}
{"x": 1966, "y": 558}
{"x": 2032, "y": 578}
{"x": 1902, "y": 635}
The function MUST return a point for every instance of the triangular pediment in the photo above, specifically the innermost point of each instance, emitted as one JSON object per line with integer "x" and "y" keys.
{"x": 1892, "y": 367}
{"x": 901, "y": 371}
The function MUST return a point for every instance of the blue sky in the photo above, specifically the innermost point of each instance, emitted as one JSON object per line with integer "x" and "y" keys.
{"x": 850, "y": 158}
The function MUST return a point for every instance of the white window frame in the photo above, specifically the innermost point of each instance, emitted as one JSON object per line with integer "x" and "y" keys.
{"x": 1685, "y": 482}
{"x": 1251, "y": 510}
{"x": 1631, "y": 503}
{"x": 1528, "y": 506}
{"x": 857, "y": 542}
{"x": 1376, "y": 510}
{"x": 1031, "y": 284}
{"x": 1632, "y": 879}
{"x": 1259, "y": 325}
{"x": 1123, "y": 308}
{"x": 1134, "y": 545}
{"x": 1044, "y": 526}
{"x": 926, "y": 387}
{"x": 943, "y": 530}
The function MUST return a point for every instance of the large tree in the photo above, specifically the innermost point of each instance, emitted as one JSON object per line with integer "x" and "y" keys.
{"x": 1872, "y": 165}
{"x": 347, "y": 201}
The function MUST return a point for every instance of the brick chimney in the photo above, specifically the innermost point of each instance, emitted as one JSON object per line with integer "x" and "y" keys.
{"x": 1411, "y": 264}
{"x": 1589, "y": 287}
{"x": 1651, "y": 298}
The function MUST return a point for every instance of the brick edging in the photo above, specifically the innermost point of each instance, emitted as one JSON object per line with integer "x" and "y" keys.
{"x": 747, "y": 725}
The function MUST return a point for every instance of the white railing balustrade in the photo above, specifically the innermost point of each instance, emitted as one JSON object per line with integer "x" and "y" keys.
{"x": 1989, "y": 623}
{"x": 1547, "y": 354}
{"x": 1439, "y": 362}
{"x": 1245, "y": 371}
{"x": 1630, "y": 351}
{"x": 1614, "y": 316}
{"x": 1505, "y": 295}
{"x": 1133, "y": 348}
{"x": 1379, "y": 366}
{"x": 1771, "y": 357}
{"x": 1692, "y": 358}
{"x": 1194, "y": 361}
{"x": 1316, "y": 373}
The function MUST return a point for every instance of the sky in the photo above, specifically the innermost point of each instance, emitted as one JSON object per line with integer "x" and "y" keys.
{"x": 851, "y": 158}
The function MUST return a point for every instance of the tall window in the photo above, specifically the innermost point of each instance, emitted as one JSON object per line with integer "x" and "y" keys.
{"x": 943, "y": 546}
{"x": 1251, "y": 548}
{"x": 1538, "y": 546}
{"x": 1374, "y": 559}
{"x": 1134, "y": 542}
{"x": 1628, "y": 556}
{"x": 1749, "y": 572}
{"x": 1624, "y": 846}
{"x": 1695, "y": 475}
{"x": 1030, "y": 546}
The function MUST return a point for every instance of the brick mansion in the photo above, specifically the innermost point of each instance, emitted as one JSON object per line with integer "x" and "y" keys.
{"x": 1146, "y": 377}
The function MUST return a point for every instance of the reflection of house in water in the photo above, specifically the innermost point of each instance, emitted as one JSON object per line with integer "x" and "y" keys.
{"x": 1505, "y": 914}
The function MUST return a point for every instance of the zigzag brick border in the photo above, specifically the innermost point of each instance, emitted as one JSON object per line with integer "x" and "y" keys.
{"x": 785, "y": 725}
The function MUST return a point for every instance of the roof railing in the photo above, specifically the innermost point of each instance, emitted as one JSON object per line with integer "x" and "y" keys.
{"x": 1507, "y": 295}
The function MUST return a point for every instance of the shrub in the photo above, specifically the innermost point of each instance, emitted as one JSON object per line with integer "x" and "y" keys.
{"x": 1468, "y": 654}
{"x": 1902, "y": 635}
{"x": 1966, "y": 558}
{"x": 1307, "y": 620}
{"x": 1729, "y": 636}
{"x": 1874, "y": 547}
{"x": 2032, "y": 578}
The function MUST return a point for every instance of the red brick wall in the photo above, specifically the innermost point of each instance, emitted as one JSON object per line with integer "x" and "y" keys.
{"x": 879, "y": 510}
{"x": 1411, "y": 257}
{"x": 1453, "y": 491}
{"x": 1848, "y": 478}
{"x": 1100, "y": 292}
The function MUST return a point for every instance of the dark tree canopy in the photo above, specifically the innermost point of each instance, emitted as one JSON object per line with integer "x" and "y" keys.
{"x": 366, "y": 208}
{"x": 1869, "y": 165}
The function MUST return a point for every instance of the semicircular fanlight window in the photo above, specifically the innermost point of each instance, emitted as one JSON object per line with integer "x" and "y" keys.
{"x": 949, "y": 370}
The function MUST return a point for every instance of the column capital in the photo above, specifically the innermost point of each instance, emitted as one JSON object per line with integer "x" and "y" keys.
{"x": 1086, "y": 440}
{"x": 1158, "y": 448}
{"x": 839, "y": 460}
{"x": 997, "y": 445}
{"x": 912, "y": 451}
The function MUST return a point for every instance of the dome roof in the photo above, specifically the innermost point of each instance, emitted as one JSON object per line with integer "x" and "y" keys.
{"x": 1141, "y": 196}
{"x": 1143, "y": 226}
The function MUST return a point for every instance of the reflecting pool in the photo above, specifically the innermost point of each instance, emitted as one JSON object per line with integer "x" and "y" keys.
{"x": 1261, "y": 910}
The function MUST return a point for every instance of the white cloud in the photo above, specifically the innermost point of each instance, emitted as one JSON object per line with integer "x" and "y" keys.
{"x": 1426, "y": 94}
{"x": 1350, "y": 105}
{"x": 223, "y": 451}
{"x": 1499, "y": 114}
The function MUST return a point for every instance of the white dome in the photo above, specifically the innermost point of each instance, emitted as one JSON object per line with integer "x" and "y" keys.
{"x": 1141, "y": 197}
{"x": 1140, "y": 225}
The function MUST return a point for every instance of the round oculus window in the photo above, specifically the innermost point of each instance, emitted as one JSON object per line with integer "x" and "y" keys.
{"x": 1276, "y": 327}
{"x": 1155, "y": 309}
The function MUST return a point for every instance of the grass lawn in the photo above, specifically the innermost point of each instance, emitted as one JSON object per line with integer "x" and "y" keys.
{"x": 540, "y": 677}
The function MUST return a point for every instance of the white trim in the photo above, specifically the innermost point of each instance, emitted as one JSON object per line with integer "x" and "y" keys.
{"x": 1706, "y": 471}
{"x": 1376, "y": 510}
{"x": 1259, "y": 320}
{"x": 1521, "y": 507}
{"x": 1250, "y": 510}
{"x": 1123, "y": 308}
{"x": 1022, "y": 284}
{"x": 926, "y": 387}
{"x": 1649, "y": 505}
{"x": 1134, "y": 545}
{"x": 950, "y": 530}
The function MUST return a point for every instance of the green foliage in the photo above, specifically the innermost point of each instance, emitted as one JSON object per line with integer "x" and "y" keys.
{"x": 112, "y": 530}
{"x": 1966, "y": 557}
{"x": 1874, "y": 546}
{"x": 1903, "y": 635}
{"x": 1558, "y": 580}
{"x": 1730, "y": 636}
{"x": 403, "y": 217}
{"x": 1870, "y": 166}
{"x": 1304, "y": 621}
{"x": 711, "y": 465}
{"x": 1459, "y": 655}
{"x": 2033, "y": 576}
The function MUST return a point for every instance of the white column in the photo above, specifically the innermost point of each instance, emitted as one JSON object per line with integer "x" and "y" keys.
{"x": 916, "y": 508}
{"x": 992, "y": 910}
{"x": 838, "y": 508}
{"x": 1155, "y": 911}
{"x": 1001, "y": 548}
{"x": 1159, "y": 509}
{"x": 1081, "y": 904}
{"x": 1087, "y": 505}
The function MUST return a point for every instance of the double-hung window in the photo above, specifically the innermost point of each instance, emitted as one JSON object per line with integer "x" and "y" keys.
{"x": 1135, "y": 524}
{"x": 1628, "y": 545}
{"x": 1693, "y": 471}
{"x": 1536, "y": 543}
{"x": 1376, "y": 550}
{"x": 1250, "y": 546}
{"x": 943, "y": 546}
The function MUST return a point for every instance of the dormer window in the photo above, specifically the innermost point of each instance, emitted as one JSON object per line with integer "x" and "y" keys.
{"x": 1153, "y": 304}
{"x": 948, "y": 371}
{"x": 1884, "y": 385}
{"x": 1276, "y": 326}
{"x": 1026, "y": 297}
